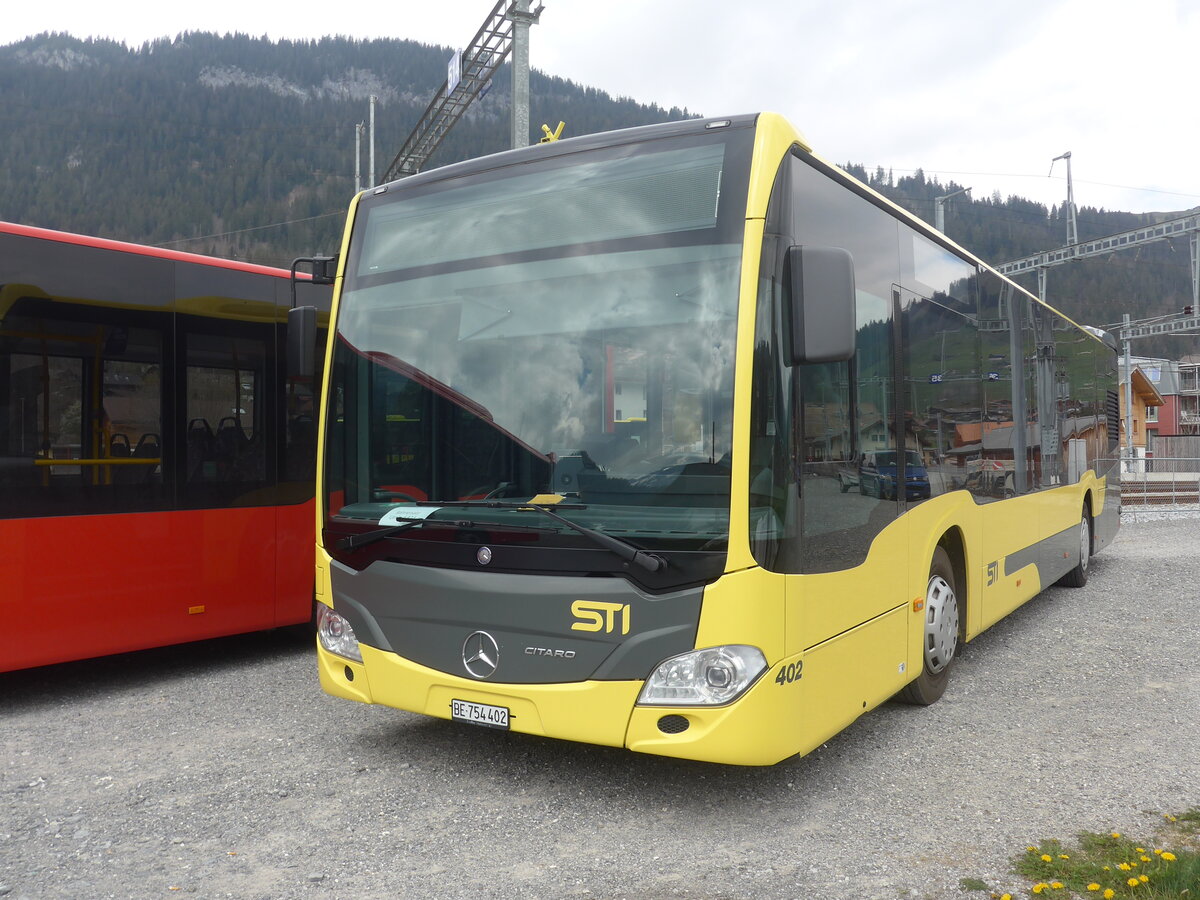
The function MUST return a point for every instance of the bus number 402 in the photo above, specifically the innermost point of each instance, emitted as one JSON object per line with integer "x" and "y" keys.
{"x": 789, "y": 673}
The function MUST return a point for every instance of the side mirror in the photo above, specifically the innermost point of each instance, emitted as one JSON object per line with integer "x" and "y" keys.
{"x": 819, "y": 292}
{"x": 302, "y": 320}
{"x": 324, "y": 270}
{"x": 302, "y": 342}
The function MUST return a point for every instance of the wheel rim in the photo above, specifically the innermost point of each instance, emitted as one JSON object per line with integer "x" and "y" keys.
{"x": 1085, "y": 543}
{"x": 941, "y": 624}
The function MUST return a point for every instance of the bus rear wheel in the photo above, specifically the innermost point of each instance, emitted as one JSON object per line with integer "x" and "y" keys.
{"x": 939, "y": 643}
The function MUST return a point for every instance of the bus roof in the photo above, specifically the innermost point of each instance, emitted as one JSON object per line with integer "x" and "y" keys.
{"x": 83, "y": 240}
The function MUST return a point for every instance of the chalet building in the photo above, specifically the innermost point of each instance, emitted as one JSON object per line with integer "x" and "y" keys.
{"x": 1148, "y": 402}
{"x": 1166, "y": 400}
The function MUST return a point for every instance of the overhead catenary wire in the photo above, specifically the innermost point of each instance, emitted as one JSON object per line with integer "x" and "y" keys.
{"x": 223, "y": 234}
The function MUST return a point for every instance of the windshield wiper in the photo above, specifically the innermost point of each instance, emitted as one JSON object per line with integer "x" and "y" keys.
{"x": 356, "y": 541}
{"x": 622, "y": 548}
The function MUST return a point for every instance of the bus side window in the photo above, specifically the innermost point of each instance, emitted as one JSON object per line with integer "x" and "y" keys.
{"x": 226, "y": 384}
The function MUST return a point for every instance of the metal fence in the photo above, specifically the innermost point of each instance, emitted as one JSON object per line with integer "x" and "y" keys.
{"x": 1160, "y": 481}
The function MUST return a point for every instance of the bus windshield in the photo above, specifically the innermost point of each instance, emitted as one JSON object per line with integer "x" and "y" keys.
{"x": 565, "y": 333}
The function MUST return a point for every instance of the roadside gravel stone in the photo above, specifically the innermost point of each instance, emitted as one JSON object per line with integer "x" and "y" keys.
{"x": 220, "y": 769}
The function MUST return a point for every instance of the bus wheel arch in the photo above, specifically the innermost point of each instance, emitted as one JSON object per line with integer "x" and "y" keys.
{"x": 944, "y": 631}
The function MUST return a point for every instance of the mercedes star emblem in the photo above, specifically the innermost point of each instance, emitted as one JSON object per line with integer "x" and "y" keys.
{"x": 480, "y": 654}
{"x": 484, "y": 555}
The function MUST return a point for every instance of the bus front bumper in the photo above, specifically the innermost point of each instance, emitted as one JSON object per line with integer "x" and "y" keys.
{"x": 757, "y": 729}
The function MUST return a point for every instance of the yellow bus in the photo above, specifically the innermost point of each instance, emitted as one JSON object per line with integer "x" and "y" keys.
{"x": 682, "y": 440}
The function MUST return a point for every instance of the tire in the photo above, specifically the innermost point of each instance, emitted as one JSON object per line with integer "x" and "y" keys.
{"x": 942, "y": 635}
{"x": 1078, "y": 576}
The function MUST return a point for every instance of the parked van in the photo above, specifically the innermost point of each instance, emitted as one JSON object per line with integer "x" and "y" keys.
{"x": 877, "y": 475}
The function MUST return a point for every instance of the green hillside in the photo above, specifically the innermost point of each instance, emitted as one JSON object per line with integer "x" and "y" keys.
{"x": 205, "y": 135}
{"x": 244, "y": 147}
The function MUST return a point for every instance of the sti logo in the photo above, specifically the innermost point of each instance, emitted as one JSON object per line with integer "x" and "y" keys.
{"x": 597, "y": 615}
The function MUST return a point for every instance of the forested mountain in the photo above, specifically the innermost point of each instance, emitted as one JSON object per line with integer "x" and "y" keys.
{"x": 1146, "y": 281}
{"x": 244, "y": 147}
{"x": 205, "y": 135}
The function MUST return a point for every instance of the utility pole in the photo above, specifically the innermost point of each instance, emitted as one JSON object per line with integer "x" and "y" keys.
{"x": 1194, "y": 243}
{"x": 371, "y": 144}
{"x": 1128, "y": 390}
{"x": 480, "y": 60}
{"x": 939, "y": 207}
{"x": 358, "y": 133}
{"x": 522, "y": 18}
{"x": 1072, "y": 230}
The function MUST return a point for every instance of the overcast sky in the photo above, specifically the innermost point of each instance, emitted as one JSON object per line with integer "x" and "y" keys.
{"x": 982, "y": 93}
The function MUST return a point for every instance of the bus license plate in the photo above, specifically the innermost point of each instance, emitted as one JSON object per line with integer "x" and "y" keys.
{"x": 479, "y": 713}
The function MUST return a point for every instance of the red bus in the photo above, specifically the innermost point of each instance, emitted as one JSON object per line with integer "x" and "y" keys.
{"x": 156, "y": 456}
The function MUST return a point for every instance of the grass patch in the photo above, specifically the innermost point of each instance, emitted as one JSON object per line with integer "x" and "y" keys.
{"x": 1188, "y": 822}
{"x": 1114, "y": 866}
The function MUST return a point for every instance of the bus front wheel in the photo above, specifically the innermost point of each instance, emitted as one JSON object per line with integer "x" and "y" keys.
{"x": 1078, "y": 576}
{"x": 939, "y": 642}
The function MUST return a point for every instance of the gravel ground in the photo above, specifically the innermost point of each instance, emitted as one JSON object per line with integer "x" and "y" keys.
{"x": 221, "y": 770}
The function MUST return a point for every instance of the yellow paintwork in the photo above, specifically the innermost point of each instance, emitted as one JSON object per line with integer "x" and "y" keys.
{"x": 841, "y": 679}
{"x": 856, "y": 635}
{"x": 323, "y": 416}
{"x": 773, "y": 140}
{"x": 739, "y": 489}
{"x": 596, "y": 712}
{"x": 744, "y": 607}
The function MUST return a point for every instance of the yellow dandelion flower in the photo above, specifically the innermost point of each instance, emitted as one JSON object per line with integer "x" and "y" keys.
{"x": 1046, "y": 857}
{"x": 1056, "y": 885}
{"x": 1039, "y": 887}
{"x": 1093, "y": 886}
{"x": 1168, "y": 856}
{"x": 1132, "y": 882}
{"x": 1158, "y": 852}
{"x": 1146, "y": 859}
{"x": 1107, "y": 869}
{"x": 1006, "y": 897}
{"x": 1031, "y": 849}
{"x": 1063, "y": 856}
{"x": 1109, "y": 893}
{"x": 1140, "y": 849}
{"x": 1133, "y": 864}
{"x": 1124, "y": 867}
{"x": 1116, "y": 834}
{"x": 1143, "y": 878}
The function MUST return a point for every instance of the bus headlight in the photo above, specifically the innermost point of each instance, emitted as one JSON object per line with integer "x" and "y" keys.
{"x": 710, "y": 677}
{"x": 336, "y": 635}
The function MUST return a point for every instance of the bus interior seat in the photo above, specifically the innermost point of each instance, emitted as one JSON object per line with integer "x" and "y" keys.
{"x": 200, "y": 448}
{"x": 149, "y": 446}
{"x": 239, "y": 456}
{"x": 118, "y": 447}
{"x": 231, "y": 438}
